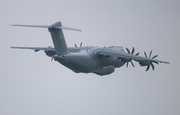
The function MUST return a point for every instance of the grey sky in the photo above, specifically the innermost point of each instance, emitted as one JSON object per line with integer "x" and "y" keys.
{"x": 30, "y": 84}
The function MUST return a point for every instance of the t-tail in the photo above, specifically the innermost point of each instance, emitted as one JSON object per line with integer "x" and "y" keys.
{"x": 56, "y": 34}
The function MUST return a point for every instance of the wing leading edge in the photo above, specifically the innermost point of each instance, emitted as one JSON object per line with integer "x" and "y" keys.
{"x": 36, "y": 48}
{"x": 71, "y": 49}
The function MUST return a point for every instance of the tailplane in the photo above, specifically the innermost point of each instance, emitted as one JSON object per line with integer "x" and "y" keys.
{"x": 56, "y": 34}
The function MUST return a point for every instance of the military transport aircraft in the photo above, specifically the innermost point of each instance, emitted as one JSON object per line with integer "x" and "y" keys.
{"x": 98, "y": 60}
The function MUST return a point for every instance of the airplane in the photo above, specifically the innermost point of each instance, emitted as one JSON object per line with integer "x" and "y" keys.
{"x": 89, "y": 59}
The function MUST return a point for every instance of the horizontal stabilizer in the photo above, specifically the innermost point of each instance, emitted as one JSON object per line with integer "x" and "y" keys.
{"x": 67, "y": 28}
{"x": 48, "y": 26}
{"x": 36, "y": 26}
{"x": 56, "y": 34}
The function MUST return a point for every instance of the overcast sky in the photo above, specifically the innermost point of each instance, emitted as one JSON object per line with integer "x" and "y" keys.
{"x": 30, "y": 84}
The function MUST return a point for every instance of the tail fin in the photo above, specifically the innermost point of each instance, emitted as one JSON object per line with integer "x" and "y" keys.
{"x": 56, "y": 34}
{"x": 58, "y": 38}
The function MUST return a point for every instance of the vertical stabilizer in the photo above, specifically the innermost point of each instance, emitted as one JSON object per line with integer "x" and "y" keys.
{"x": 58, "y": 38}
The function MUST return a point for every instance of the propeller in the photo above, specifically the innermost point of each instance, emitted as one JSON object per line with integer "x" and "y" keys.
{"x": 79, "y": 45}
{"x": 151, "y": 62}
{"x": 130, "y": 60}
{"x": 53, "y": 58}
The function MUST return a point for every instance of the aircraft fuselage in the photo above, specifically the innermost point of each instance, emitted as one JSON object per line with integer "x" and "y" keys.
{"x": 87, "y": 60}
{"x": 98, "y": 60}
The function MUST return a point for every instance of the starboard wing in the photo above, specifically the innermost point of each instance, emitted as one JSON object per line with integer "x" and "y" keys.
{"x": 123, "y": 55}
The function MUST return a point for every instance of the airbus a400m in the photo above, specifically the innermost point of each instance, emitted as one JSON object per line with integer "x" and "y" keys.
{"x": 98, "y": 60}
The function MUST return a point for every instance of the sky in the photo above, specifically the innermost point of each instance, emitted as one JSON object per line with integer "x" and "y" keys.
{"x": 30, "y": 84}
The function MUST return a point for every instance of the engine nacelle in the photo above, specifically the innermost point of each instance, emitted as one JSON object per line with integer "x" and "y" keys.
{"x": 104, "y": 70}
{"x": 50, "y": 53}
{"x": 144, "y": 63}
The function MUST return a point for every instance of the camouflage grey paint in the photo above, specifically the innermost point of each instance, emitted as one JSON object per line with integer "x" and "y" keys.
{"x": 101, "y": 61}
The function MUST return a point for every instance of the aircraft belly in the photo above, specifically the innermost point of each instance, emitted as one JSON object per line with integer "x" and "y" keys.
{"x": 73, "y": 67}
{"x": 78, "y": 64}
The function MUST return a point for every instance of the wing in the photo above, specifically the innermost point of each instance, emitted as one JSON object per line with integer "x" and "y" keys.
{"x": 71, "y": 49}
{"x": 123, "y": 55}
{"x": 36, "y": 48}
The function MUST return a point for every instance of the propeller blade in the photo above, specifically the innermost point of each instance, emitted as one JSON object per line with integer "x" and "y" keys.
{"x": 127, "y": 64}
{"x": 132, "y": 64}
{"x": 75, "y": 45}
{"x": 52, "y": 59}
{"x": 147, "y": 68}
{"x": 152, "y": 66}
{"x": 150, "y": 54}
{"x": 145, "y": 54}
{"x": 132, "y": 50}
{"x": 154, "y": 56}
{"x": 128, "y": 50}
{"x": 81, "y": 44}
{"x": 137, "y": 54}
